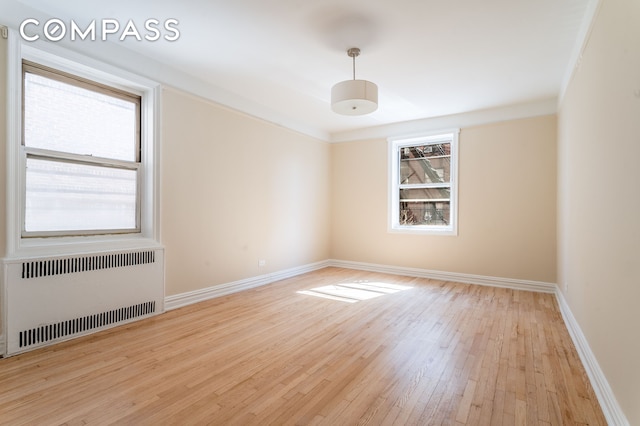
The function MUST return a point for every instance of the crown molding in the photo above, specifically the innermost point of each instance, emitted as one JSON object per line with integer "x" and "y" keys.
{"x": 593, "y": 7}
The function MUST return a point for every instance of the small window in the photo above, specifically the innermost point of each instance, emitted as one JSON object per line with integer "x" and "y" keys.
{"x": 81, "y": 153}
{"x": 423, "y": 184}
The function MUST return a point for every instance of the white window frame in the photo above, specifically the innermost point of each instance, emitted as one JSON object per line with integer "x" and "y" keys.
{"x": 394, "y": 145}
{"x": 71, "y": 62}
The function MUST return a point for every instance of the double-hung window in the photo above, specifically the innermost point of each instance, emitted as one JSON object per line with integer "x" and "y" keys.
{"x": 423, "y": 184}
{"x": 81, "y": 151}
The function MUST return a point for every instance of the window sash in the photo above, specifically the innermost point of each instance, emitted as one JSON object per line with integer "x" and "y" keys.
{"x": 53, "y": 74}
{"x": 80, "y": 159}
{"x": 428, "y": 185}
{"x": 83, "y": 230}
{"x": 424, "y": 163}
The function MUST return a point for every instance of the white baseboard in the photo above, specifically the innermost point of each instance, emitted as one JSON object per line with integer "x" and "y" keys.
{"x": 184, "y": 299}
{"x": 537, "y": 286}
{"x": 612, "y": 411}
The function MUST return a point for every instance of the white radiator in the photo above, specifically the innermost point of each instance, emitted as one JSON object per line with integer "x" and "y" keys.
{"x": 47, "y": 300}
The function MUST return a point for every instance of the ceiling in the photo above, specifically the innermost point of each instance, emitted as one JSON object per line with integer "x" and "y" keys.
{"x": 278, "y": 59}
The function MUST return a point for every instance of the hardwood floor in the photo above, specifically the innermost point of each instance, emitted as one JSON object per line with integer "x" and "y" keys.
{"x": 435, "y": 353}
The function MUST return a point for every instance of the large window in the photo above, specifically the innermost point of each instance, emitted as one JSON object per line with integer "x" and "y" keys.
{"x": 82, "y": 155}
{"x": 423, "y": 187}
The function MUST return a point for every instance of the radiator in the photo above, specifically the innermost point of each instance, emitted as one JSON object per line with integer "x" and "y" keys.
{"x": 48, "y": 300}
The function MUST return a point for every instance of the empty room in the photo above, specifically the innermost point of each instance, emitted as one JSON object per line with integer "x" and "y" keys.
{"x": 338, "y": 212}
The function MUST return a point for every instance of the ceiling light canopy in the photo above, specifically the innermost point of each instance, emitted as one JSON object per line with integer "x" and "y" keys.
{"x": 354, "y": 97}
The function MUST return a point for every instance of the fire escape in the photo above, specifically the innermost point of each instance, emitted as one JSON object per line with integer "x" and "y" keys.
{"x": 430, "y": 214}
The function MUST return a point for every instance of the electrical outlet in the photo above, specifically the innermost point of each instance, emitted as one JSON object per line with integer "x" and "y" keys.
{"x": 262, "y": 262}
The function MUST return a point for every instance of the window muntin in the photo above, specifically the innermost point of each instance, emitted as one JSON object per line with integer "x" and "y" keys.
{"x": 81, "y": 147}
{"x": 423, "y": 184}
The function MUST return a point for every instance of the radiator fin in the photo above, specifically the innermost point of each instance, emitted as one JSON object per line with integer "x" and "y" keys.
{"x": 70, "y": 265}
{"x": 58, "y": 330}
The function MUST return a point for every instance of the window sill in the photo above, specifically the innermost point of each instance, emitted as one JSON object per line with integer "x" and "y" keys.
{"x": 423, "y": 230}
{"x": 68, "y": 246}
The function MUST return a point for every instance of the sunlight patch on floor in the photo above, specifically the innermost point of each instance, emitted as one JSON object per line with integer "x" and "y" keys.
{"x": 355, "y": 291}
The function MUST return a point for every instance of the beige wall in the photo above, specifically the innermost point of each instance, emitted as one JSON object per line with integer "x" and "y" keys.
{"x": 507, "y": 205}
{"x": 599, "y": 197}
{"x": 236, "y": 190}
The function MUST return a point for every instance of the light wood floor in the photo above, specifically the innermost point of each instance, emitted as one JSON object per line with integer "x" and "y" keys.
{"x": 437, "y": 353}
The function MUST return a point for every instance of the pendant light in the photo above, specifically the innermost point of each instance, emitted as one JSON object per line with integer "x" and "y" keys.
{"x": 354, "y": 97}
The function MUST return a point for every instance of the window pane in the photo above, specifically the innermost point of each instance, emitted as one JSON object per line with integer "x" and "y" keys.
{"x": 424, "y": 213}
{"x": 65, "y": 196}
{"x": 67, "y": 118}
{"x": 425, "y": 164}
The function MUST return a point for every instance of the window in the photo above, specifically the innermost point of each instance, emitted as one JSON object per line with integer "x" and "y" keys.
{"x": 82, "y": 153}
{"x": 81, "y": 146}
{"x": 423, "y": 184}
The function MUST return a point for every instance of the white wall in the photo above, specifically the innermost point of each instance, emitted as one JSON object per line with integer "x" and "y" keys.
{"x": 599, "y": 197}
